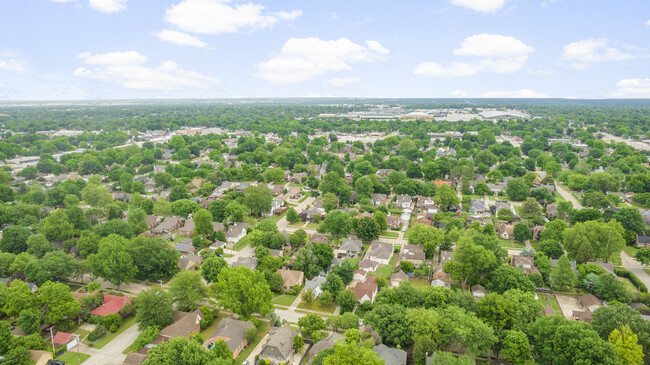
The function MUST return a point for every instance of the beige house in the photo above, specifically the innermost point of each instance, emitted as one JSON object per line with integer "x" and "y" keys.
{"x": 291, "y": 278}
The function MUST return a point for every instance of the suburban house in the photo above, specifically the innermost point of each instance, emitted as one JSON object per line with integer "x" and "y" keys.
{"x": 390, "y": 355}
{"x": 479, "y": 208}
{"x": 310, "y": 214}
{"x": 368, "y": 265}
{"x": 438, "y": 282}
{"x": 381, "y": 252}
{"x": 293, "y": 192}
{"x": 279, "y": 345}
{"x": 393, "y": 222}
{"x": 318, "y": 237}
{"x": 526, "y": 263}
{"x": 642, "y": 241}
{"x": 235, "y": 233}
{"x": 413, "y": 254}
{"x": 365, "y": 290}
{"x": 184, "y": 246}
{"x": 232, "y": 332}
{"x": 188, "y": 228}
{"x": 62, "y": 338}
{"x": 189, "y": 261}
{"x": 291, "y": 279}
{"x": 478, "y": 291}
{"x": 349, "y": 248}
{"x": 397, "y": 278}
{"x": 536, "y": 232}
{"x": 276, "y": 205}
{"x": 378, "y": 199}
{"x": 167, "y": 225}
{"x": 403, "y": 201}
{"x": 249, "y": 262}
{"x": 183, "y": 324}
{"x": 582, "y": 316}
{"x": 506, "y": 230}
{"x": 323, "y": 344}
{"x": 152, "y": 221}
{"x": 277, "y": 190}
{"x": 590, "y": 302}
{"x": 111, "y": 304}
{"x": 360, "y": 274}
{"x": 315, "y": 285}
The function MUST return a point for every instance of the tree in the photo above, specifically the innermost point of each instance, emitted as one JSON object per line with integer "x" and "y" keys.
{"x": 96, "y": 195}
{"x": 330, "y": 201}
{"x": 516, "y": 348}
{"x": 427, "y": 236}
{"x": 517, "y": 189}
{"x": 154, "y": 258}
{"x": 292, "y": 216}
{"x": 609, "y": 288}
{"x": 14, "y": 239}
{"x": 364, "y": 187}
{"x": 562, "y": 276}
{"x": 505, "y": 214}
{"x": 154, "y": 308}
{"x": 333, "y": 283}
{"x": 380, "y": 218}
{"x": 531, "y": 210}
{"x": 466, "y": 330}
{"x": 275, "y": 175}
{"x": 310, "y": 324}
{"x": 447, "y": 358}
{"x": 178, "y": 192}
{"x": 594, "y": 240}
{"x": 643, "y": 255}
{"x": 203, "y": 223}
{"x": 298, "y": 343}
{"x": 471, "y": 262}
{"x": 38, "y": 245}
{"x": 18, "y": 298}
{"x": 522, "y": 232}
{"x": 180, "y": 350}
{"x": 346, "y": 300}
{"x": 307, "y": 262}
{"x": 348, "y": 354}
{"x": 56, "y": 226}
{"x": 550, "y": 248}
{"x": 298, "y": 238}
{"x": 345, "y": 271}
{"x": 221, "y": 350}
{"x": 258, "y": 199}
{"x": 554, "y": 230}
{"x": 507, "y": 277}
{"x": 435, "y": 297}
{"x": 392, "y": 324}
{"x": 616, "y": 315}
{"x": 337, "y": 223}
{"x": 29, "y": 321}
{"x": 187, "y": 290}
{"x": 367, "y": 229}
{"x": 629, "y": 351}
{"x": 211, "y": 267}
{"x": 58, "y": 304}
{"x": 308, "y": 296}
{"x": 162, "y": 207}
{"x": 631, "y": 219}
{"x": 243, "y": 291}
{"x": 137, "y": 220}
{"x": 446, "y": 197}
{"x": 112, "y": 262}
{"x": 406, "y": 266}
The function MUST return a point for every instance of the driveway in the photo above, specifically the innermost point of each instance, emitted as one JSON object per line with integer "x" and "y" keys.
{"x": 635, "y": 267}
{"x": 282, "y": 223}
{"x": 257, "y": 349}
{"x": 568, "y": 304}
{"x": 111, "y": 354}
{"x": 568, "y": 196}
{"x": 244, "y": 252}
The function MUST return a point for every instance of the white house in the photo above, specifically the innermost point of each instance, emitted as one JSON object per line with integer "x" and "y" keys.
{"x": 235, "y": 232}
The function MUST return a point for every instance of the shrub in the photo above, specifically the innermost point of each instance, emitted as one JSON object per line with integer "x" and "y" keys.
{"x": 112, "y": 321}
{"x": 621, "y": 272}
{"x": 93, "y": 286}
{"x": 97, "y": 333}
{"x": 146, "y": 337}
{"x": 127, "y": 311}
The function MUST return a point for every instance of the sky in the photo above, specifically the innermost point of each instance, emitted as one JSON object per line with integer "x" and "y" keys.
{"x": 125, "y": 49}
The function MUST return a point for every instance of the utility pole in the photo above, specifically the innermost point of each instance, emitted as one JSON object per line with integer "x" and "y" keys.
{"x": 52, "y": 339}
{"x": 78, "y": 354}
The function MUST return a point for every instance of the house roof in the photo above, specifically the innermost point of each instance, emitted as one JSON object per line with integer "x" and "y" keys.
{"x": 323, "y": 344}
{"x": 231, "y": 331}
{"x": 316, "y": 282}
{"x": 235, "y": 230}
{"x": 62, "y": 338}
{"x": 282, "y": 339}
{"x": 367, "y": 288}
{"x": 134, "y": 358}
{"x": 413, "y": 252}
{"x": 391, "y": 356}
{"x": 399, "y": 276}
{"x": 367, "y": 264}
{"x": 112, "y": 304}
{"x": 291, "y": 277}
{"x": 478, "y": 288}
{"x": 584, "y": 316}
{"x": 318, "y": 237}
{"x": 589, "y": 300}
{"x": 183, "y": 324}
{"x": 382, "y": 251}
{"x": 350, "y": 245}
{"x": 248, "y": 262}
{"x": 184, "y": 246}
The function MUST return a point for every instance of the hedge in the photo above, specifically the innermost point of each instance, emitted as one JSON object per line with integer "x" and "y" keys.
{"x": 633, "y": 278}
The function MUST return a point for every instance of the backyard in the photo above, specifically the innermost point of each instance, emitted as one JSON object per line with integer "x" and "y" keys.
{"x": 110, "y": 336}
{"x": 262, "y": 329}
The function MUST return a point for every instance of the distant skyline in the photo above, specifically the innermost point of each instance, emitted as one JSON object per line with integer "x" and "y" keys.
{"x": 123, "y": 49}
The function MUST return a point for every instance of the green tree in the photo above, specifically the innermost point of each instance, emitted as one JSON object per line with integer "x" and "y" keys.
{"x": 517, "y": 189}
{"x": 531, "y": 210}
{"x": 162, "y": 207}
{"x": 137, "y": 220}
{"x": 298, "y": 343}
{"x": 18, "y": 298}
{"x": 180, "y": 350}
{"x": 629, "y": 351}
{"x": 350, "y": 354}
{"x": 14, "y": 239}
{"x": 631, "y": 219}
{"x": 616, "y": 315}
{"x": 392, "y": 324}
{"x": 507, "y": 277}
{"x": 516, "y": 348}
{"x": 243, "y": 291}
{"x": 112, "y": 262}
{"x": 466, "y": 330}
{"x": 346, "y": 300}
{"x": 29, "y": 321}
{"x": 154, "y": 307}
{"x": 292, "y": 216}
{"x": 58, "y": 304}
{"x": 310, "y": 324}
{"x": 203, "y": 223}
{"x": 337, "y": 223}
{"x": 609, "y": 288}
{"x": 56, "y": 226}
{"x": 187, "y": 290}
{"x": 380, "y": 218}
{"x": 446, "y": 197}
{"x": 551, "y": 248}
{"x": 428, "y": 237}
{"x": 96, "y": 195}
{"x": 211, "y": 267}
{"x": 522, "y": 232}
{"x": 221, "y": 350}
{"x": 367, "y": 229}
{"x": 594, "y": 240}
{"x": 178, "y": 192}
{"x": 154, "y": 258}
{"x": 643, "y": 255}
{"x": 258, "y": 199}
{"x": 471, "y": 262}
{"x": 562, "y": 276}
{"x": 38, "y": 245}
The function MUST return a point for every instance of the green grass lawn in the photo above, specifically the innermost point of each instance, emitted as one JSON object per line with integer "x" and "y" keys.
{"x": 313, "y": 226}
{"x": 558, "y": 197}
{"x": 285, "y": 299}
{"x": 389, "y": 234}
{"x": 628, "y": 283}
{"x": 631, "y": 250}
{"x": 303, "y": 199}
{"x": 647, "y": 271}
{"x": 419, "y": 284}
{"x": 71, "y": 357}
{"x": 110, "y": 336}
{"x": 316, "y": 306}
{"x": 262, "y": 329}
{"x": 387, "y": 270}
{"x": 242, "y": 243}
{"x": 353, "y": 262}
{"x": 511, "y": 245}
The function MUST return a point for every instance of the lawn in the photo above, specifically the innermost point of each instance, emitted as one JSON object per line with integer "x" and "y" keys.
{"x": 633, "y": 289}
{"x": 71, "y": 357}
{"x": 353, "y": 262}
{"x": 647, "y": 271}
{"x": 419, "y": 284}
{"x": 242, "y": 243}
{"x": 511, "y": 245}
{"x": 110, "y": 336}
{"x": 558, "y": 197}
{"x": 213, "y": 327}
{"x": 549, "y": 301}
{"x": 262, "y": 329}
{"x": 387, "y": 270}
{"x": 313, "y": 226}
{"x": 316, "y": 306}
{"x": 631, "y": 250}
{"x": 389, "y": 234}
{"x": 285, "y": 299}
{"x": 303, "y": 199}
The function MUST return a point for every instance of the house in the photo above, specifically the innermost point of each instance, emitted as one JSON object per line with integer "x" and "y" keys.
{"x": 360, "y": 274}
{"x": 310, "y": 214}
{"x": 315, "y": 285}
{"x": 383, "y": 172}
{"x": 277, "y": 190}
{"x": 479, "y": 208}
{"x": 551, "y": 210}
{"x": 390, "y": 355}
{"x": 525, "y": 263}
{"x": 184, "y": 246}
{"x": 397, "y": 278}
{"x": 152, "y": 221}
{"x": 403, "y": 201}
{"x": 167, "y": 226}
{"x": 189, "y": 261}
{"x": 381, "y": 252}
{"x": 279, "y": 345}
{"x": 439, "y": 282}
{"x": 536, "y": 231}
{"x": 506, "y": 230}
{"x": 478, "y": 291}
{"x": 249, "y": 262}
{"x": 446, "y": 256}
{"x": 590, "y": 302}
{"x": 642, "y": 241}
{"x": 297, "y": 177}
{"x": 183, "y": 324}
{"x": 393, "y": 222}
{"x": 112, "y": 304}
{"x": 413, "y": 254}
{"x": 188, "y": 229}
{"x": 232, "y": 332}
{"x": 318, "y": 237}
{"x": 368, "y": 265}
{"x": 423, "y": 221}
{"x": 62, "y": 338}
{"x": 276, "y": 205}
{"x": 326, "y": 343}
{"x": 136, "y": 358}
{"x": 242, "y": 186}
{"x": 291, "y": 278}
{"x": 378, "y": 199}
{"x": 293, "y": 192}
{"x": 365, "y": 290}
{"x": 236, "y": 232}
{"x": 365, "y": 215}
{"x": 582, "y": 316}
{"x": 218, "y": 226}
{"x": 350, "y": 248}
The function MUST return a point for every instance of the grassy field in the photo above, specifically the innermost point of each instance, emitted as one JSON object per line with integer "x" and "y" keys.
{"x": 647, "y": 271}
{"x": 387, "y": 270}
{"x": 390, "y": 234}
{"x": 110, "y": 336}
{"x": 511, "y": 245}
{"x": 353, "y": 262}
{"x": 419, "y": 284}
{"x": 242, "y": 243}
{"x": 261, "y": 331}
{"x": 285, "y": 299}
{"x": 628, "y": 283}
{"x": 558, "y": 197}
{"x": 316, "y": 306}
{"x": 71, "y": 357}
{"x": 631, "y": 250}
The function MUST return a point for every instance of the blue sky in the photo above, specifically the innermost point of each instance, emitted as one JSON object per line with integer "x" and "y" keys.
{"x": 117, "y": 49}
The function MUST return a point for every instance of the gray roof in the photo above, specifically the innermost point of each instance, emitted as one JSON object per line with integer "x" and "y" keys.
{"x": 235, "y": 230}
{"x": 323, "y": 344}
{"x": 350, "y": 245}
{"x": 478, "y": 205}
{"x": 280, "y": 341}
{"x": 232, "y": 331}
{"x": 248, "y": 262}
{"x": 381, "y": 250}
{"x": 184, "y": 246}
{"x": 390, "y": 355}
{"x": 314, "y": 283}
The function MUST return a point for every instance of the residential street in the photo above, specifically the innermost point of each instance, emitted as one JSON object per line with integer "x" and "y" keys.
{"x": 635, "y": 267}
{"x": 568, "y": 196}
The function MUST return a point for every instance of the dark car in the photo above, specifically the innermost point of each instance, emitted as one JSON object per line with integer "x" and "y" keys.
{"x": 55, "y": 362}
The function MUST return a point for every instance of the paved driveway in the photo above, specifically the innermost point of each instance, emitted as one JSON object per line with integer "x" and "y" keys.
{"x": 568, "y": 304}
{"x": 111, "y": 354}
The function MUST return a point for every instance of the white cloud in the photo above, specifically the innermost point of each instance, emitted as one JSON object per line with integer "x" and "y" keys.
{"x": 459, "y": 93}
{"x": 108, "y": 6}
{"x": 647, "y": 22}
{"x": 218, "y": 16}
{"x": 632, "y": 88}
{"x": 580, "y": 54}
{"x": 496, "y": 53}
{"x": 523, "y": 93}
{"x": 546, "y": 3}
{"x": 343, "y": 81}
{"x": 179, "y": 38}
{"x": 484, "y": 6}
{"x": 63, "y": 1}
{"x": 301, "y": 59}
{"x": 540, "y": 72}
{"x": 12, "y": 64}
{"x": 127, "y": 69}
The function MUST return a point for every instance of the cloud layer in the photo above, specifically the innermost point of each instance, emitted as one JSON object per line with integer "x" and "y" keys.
{"x": 483, "y": 6}
{"x": 179, "y": 38}
{"x": 301, "y": 59}
{"x": 581, "y": 54}
{"x": 108, "y": 6}
{"x": 632, "y": 88}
